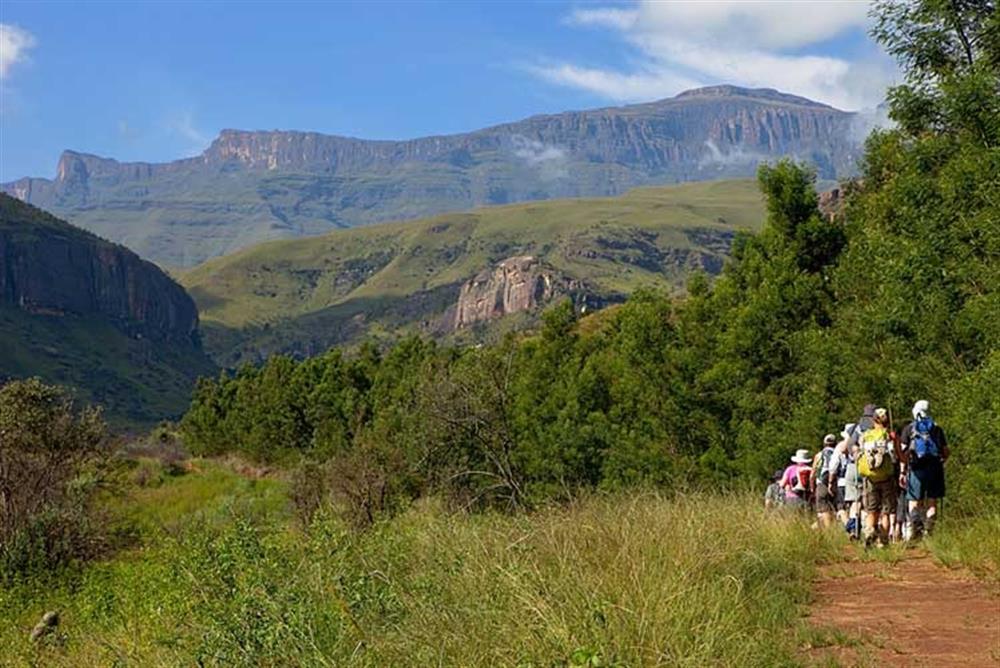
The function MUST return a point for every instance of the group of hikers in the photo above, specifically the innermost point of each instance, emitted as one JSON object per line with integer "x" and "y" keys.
{"x": 882, "y": 486}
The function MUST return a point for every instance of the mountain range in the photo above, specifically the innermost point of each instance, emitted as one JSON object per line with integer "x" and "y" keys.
{"x": 251, "y": 186}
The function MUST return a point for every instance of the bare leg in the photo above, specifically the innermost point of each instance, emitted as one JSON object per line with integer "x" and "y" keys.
{"x": 931, "y": 514}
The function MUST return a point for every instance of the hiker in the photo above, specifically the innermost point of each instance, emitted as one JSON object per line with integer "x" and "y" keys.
{"x": 925, "y": 450}
{"x": 825, "y": 482}
{"x": 838, "y": 470}
{"x": 853, "y": 484}
{"x": 875, "y": 464}
{"x": 795, "y": 481}
{"x": 845, "y": 461}
{"x": 774, "y": 496}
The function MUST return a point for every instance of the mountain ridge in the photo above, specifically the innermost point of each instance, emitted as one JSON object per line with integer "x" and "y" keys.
{"x": 251, "y": 185}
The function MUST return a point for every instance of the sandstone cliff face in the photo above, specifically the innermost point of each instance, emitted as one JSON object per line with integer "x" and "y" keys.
{"x": 250, "y": 186}
{"x": 49, "y": 267}
{"x": 513, "y": 285}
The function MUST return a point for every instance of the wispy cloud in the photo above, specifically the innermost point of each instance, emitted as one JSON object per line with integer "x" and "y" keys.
{"x": 774, "y": 44}
{"x": 15, "y": 43}
{"x": 182, "y": 126}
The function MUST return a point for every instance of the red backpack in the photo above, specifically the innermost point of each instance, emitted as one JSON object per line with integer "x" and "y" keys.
{"x": 803, "y": 481}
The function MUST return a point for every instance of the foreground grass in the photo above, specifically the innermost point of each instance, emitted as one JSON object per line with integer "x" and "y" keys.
{"x": 972, "y": 543}
{"x": 624, "y": 580}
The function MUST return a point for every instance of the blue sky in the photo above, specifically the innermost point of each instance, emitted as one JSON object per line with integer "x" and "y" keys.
{"x": 157, "y": 81}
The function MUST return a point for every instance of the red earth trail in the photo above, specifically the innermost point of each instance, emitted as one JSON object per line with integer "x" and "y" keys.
{"x": 912, "y": 612}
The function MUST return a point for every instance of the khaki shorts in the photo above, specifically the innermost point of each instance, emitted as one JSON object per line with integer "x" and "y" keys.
{"x": 825, "y": 501}
{"x": 879, "y": 497}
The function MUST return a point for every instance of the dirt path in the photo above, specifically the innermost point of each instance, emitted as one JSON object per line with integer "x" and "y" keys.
{"x": 925, "y": 615}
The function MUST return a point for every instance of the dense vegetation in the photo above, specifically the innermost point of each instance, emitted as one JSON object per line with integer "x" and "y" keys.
{"x": 894, "y": 300}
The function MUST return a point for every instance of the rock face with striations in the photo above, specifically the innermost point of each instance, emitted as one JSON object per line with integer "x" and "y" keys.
{"x": 249, "y": 186}
{"x": 51, "y": 268}
{"x": 513, "y": 285}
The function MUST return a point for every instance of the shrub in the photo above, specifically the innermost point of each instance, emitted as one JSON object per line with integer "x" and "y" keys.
{"x": 51, "y": 457}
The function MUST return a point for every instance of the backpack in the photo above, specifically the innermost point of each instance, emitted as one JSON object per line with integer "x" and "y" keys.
{"x": 922, "y": 442}
{"x": 803, "y": 479}
{"x": 875, "y": 462}
{"x": 821, "y": 462}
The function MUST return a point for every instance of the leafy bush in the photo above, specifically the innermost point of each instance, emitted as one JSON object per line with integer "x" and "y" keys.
{"x": 51, "y": 467}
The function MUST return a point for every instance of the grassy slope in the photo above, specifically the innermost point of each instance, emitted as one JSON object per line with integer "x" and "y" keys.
{"x": 225, "y": 577}
{"x": 138, "y": 382}
{"x": 613, "y": 244}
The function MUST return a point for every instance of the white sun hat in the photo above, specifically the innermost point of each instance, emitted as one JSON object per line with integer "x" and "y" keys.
{"x": 802, "y": 457}
{"x": 921, "y": 409}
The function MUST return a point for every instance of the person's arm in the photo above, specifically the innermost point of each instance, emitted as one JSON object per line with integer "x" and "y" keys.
{"x": 945, "y": 452}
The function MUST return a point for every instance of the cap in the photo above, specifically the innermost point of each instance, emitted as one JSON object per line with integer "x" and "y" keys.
{"x": 829, "y": 439}
{"x": 921, "y": 409}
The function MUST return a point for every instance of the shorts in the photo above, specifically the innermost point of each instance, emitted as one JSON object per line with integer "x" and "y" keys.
{"x": 926, "y": 481}
{"x": 841, "y": 501}
{"x": 879, "y": 497}
{"x": 825, "y": 501}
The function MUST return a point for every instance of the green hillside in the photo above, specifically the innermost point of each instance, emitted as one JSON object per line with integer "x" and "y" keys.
{"x": 303, "y": 295}
{"x": 80, "y": 311}
{"x": 138, "y": 381}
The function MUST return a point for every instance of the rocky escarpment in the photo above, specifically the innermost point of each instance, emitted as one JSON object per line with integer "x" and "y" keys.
{"x": 250, "y": 186}
{"x": 48, "y": 267}
{"x": 514, "y": 285}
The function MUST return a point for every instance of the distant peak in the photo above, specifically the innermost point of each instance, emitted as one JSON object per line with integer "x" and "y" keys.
{"x": 728, "y": 90}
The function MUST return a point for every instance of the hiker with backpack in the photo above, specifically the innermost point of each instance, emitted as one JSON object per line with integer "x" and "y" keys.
{"x": 838, "y": 471}
{"x": 849, "y": 482}
{"x": 796, "y": 480}
{"x": 876, "y": 466}
{"x": 925, "y": 450}
{"x": 825, "y": 482}
{"x": 774, "y": 496}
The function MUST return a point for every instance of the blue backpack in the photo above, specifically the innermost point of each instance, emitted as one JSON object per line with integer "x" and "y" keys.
{"x": 923, "y": 443}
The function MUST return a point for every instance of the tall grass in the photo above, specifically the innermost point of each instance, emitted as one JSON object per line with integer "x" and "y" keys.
{"x": 631, "y": 580}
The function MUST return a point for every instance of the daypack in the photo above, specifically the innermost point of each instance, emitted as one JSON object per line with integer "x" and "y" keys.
{"x": 922, "y": 442}
{"x": 875, "y": 462}
{"x": 820, "y": 464}
{"x": 803, "y": 480}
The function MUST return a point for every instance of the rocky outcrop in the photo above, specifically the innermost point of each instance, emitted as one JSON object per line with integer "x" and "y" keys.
{"x": 250, "y": 186}
{"x": 516, "y": 284}
{"x": 49, "y": 267}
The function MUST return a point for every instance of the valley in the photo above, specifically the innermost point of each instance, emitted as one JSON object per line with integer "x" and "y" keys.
{"x": 454, "y": 275}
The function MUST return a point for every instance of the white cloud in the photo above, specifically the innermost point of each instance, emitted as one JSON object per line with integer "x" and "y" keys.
{"x": 549, "y": 160}
{"x": 771, "y": 44}
{"x": 14, "y": 46}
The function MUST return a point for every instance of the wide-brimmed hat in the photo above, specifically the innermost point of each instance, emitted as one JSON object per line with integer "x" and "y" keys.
{"x": 829, "y": 439}
{"x": 921, "y": 409}
{"x": 801, "y": 456}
